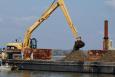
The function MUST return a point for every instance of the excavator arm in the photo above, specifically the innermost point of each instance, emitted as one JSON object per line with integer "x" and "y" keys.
{"x": 46, "y": 14}
{"x": 67, "y": 16}
{"x": 78, "y": 42}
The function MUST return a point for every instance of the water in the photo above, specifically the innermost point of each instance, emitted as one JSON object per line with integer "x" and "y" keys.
{"x": 49, "y": 74}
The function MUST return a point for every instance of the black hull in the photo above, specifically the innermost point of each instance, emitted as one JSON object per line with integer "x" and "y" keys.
{"x": 62, "y": 66}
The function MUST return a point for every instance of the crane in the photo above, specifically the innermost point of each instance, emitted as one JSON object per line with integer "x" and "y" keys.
{"x": 56, "y": 3}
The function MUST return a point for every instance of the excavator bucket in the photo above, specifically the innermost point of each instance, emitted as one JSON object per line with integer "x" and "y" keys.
{"x": 78, "y": 44}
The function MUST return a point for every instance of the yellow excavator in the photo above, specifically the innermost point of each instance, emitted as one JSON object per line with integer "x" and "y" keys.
{"x": 27, "y": 38}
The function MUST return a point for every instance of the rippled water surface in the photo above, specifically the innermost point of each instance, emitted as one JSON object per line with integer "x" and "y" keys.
{"x": 49, "y": 74}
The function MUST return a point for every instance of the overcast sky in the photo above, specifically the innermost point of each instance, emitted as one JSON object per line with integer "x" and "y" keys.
{"x": 88, "y": 17}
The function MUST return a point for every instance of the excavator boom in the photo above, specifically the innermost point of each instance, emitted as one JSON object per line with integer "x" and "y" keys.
{"x": 46, "y": 14}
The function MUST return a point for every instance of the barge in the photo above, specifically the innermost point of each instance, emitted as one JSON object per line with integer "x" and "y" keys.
{"x": 76, "y": 61}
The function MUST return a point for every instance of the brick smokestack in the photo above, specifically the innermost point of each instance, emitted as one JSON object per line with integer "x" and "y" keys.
{"x": 106, "y": 37}
{"x": 106, "y": 29}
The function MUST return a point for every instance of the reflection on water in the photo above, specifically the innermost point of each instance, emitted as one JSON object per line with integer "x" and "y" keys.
{"x": 26, "y": 74}
{"x": 49, "y": 74}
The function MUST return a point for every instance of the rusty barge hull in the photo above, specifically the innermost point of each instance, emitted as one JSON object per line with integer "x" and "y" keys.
{"x": 75, "y": 61}
{"x": 65, "y": 66}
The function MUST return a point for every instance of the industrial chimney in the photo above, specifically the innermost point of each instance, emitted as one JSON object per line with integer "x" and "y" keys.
{"x": 106, "y": 37}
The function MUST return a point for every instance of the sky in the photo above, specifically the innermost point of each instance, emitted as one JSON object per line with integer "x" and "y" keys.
{"x": 87, "y": 15}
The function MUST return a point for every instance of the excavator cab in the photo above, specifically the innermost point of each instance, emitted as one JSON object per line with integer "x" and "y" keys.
{"x": 33, "y": 43}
